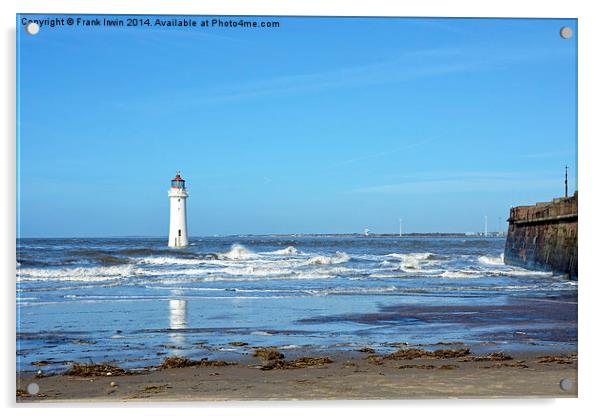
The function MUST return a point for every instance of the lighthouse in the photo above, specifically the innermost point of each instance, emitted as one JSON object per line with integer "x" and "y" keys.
{"x": 178, "y": 232}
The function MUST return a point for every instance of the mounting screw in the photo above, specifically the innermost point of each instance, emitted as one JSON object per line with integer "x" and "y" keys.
{"x": 33, "y": 389}
{"x": 566, "y": 32}
{"x": 32, "y": 28}
{"x": 566, "y": 384}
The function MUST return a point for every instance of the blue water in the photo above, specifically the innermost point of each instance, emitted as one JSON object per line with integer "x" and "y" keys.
{"x": 133, "y": 301}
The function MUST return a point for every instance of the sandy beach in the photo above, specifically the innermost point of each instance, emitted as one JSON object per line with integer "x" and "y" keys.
{"x": 408, "y": 373}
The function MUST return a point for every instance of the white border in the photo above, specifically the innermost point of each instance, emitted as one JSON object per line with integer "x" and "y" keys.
{"x": 590, "y": 108}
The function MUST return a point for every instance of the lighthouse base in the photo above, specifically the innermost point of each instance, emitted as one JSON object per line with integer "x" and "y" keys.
{"x": 177, "y": 242}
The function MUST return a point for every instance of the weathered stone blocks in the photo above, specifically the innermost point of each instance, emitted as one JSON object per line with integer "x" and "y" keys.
{"x": 544, "y": 236}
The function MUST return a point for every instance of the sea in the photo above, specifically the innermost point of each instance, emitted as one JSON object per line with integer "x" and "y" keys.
{"x": 134, "y": 301}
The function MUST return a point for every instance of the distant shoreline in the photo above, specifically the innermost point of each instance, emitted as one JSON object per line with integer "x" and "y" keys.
{"x": 309, "y": 235}
{"x": 385, "y": 235}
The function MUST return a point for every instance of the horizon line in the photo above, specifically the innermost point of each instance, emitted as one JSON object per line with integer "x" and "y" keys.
{"x": 388, "y": 234}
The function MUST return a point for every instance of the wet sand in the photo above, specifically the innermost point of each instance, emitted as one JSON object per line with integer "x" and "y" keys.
{"x": 350, "y": 375}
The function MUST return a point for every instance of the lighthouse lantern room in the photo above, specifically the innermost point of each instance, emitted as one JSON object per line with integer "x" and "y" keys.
{"x": 178, "y": 231}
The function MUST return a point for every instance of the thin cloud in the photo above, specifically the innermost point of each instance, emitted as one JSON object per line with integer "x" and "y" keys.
{"x": 544, "y": 155}
{"x": 375, "y": 74}
{"x": 405, "y": 67}
{"x": 401, "y": 67}
{"x": 385, "y": 153}
{"x": 468, "y": 183}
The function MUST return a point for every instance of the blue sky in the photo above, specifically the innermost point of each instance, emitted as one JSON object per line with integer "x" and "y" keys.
{"x": 321, "y": 125}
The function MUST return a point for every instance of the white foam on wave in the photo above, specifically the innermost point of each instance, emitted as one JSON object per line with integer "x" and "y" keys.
{"x": 462, "y": 274}
{"x": 240, "y": 274}
{"x": 339, "y": 257}
{"x": 410, "y": 257}
{"x": 237, "y": 252}
{"x": 170, "y": 260}
{"x": 515, "y": 271}
{"x": 76, "y": 286}
{"x": 261, "y": 333}
{"x": 368, "y": 257}
{"x": 473, "y": 274}
{"x": 391, "y": 274}
{"x": 84, "y": 274}
{"x": 287, "y": 251}
{"x": 413, "y": 262}
{"x": 289, "y": 347}
{"x": 492, "y": 261}
{"x": 117, "y": 297}
{"x": 293, "y": 276}
{"x": 255, "y": 270}
{"x": 243, "y": 270}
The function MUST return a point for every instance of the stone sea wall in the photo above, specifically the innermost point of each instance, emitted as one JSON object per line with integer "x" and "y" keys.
{"x": 544, "y": 236}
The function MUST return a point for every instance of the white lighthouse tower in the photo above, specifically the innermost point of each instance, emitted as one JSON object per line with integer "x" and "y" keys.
{"x": 178, "y": 232}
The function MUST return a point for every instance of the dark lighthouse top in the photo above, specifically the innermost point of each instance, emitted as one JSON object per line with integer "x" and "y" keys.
{"x": 178, "y": 182}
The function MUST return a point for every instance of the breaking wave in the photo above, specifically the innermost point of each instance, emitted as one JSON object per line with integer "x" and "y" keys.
{"x": 413, "y": 257}
{"x": 170, "y": 260}
{"x": 237, "y": 252}
{"x": 84, "y": 274}
{"x": 524, "y": 272}
{"x": 462, "y": 274}
{"x": 339, "y": 257}
{"x": 492, "y": 261}
{"x": 287, "y": 251}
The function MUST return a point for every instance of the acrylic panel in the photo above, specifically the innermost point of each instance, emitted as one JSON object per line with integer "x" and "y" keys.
{"x": 265, "y": 207}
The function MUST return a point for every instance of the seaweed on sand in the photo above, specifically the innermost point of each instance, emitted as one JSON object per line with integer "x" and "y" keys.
{"x": 507, "y": 365}
{"x": 96, "y": 370}
{"x": 429, "y": 366}
{"x": 268, "y": 354}
{"x": 22, "y": 393}
{"x": 375, "y": 359}
{"x": 302, "y": 362}
{"x": 156, "y": 388}
{"x": 178, "y": 362}
{"x": 182, "y": 362}
{"x": 494, "y": 356}
{"x": 420, "y": 366}
{"x": 414, "y": 353}
{"x": 558, "y": 359}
